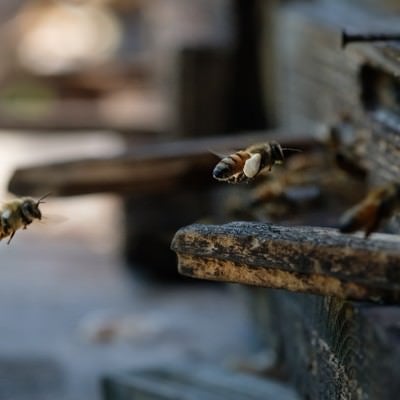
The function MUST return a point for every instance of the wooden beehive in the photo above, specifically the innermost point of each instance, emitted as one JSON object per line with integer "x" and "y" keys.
{"x": 332, "y": 346}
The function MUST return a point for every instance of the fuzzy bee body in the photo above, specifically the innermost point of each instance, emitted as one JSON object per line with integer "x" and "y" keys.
{"x": 18, "y": 213}
{"x": 379, "y": 205}
{"x": 247, "y": 164}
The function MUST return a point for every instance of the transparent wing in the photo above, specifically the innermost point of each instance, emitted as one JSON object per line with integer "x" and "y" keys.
{"x": 54, "y": 218}
{"x": 222, "y": 155}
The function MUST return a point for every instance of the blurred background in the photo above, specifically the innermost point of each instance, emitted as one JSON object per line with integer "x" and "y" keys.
{"x": 90, "y": 91}
{"x": 118, "y": 109}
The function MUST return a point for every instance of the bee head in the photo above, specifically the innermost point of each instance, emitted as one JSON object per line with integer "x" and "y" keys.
{"x": 30, "y": 208}
{"x": 277, "y": 152}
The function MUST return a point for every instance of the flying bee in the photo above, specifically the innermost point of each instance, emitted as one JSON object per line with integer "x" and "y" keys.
{"x": 380, "y": 204}
{"x": 246, "y": 164}
{"x": 19, "y": 213}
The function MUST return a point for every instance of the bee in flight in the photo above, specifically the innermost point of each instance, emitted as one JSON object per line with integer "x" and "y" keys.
{"x": 379, "y": 205}
{"x": 19, "y": 213}
{"x": 246, "y": 164}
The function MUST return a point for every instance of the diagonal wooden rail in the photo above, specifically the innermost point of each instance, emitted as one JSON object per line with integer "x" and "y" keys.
{"x": 302, "y": 259}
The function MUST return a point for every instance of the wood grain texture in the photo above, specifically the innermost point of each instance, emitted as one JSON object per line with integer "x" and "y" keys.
{"x": 147, "y": 169}
{"x": 303, "y": 259}
{"x": 316, "y": 79}
{"x": 319, "y": 81}
{"x": 333, "y": 349}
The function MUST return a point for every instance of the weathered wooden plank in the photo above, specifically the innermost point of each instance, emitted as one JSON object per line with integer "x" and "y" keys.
{"x": 321, "y": 81}
{"x": 323, "y": 70}
{"x": 192, "y": 382}
{"x": 302, "y": 259}
{"x": 315, "y": 66}
{"x": 149, "y": 168}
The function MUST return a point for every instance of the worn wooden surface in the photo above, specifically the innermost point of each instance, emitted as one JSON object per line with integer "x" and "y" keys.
{"x": 302, "y": 259}
{"x": 319, "y": 81}
{"x": 315, "y": 80}
{"x": 188, "y": 382}
{"x": 331, "y": 348}
{"x": 149, "y": 168}
{"x": 322, "y": 79}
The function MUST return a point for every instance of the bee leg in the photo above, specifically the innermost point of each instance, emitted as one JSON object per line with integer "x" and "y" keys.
{"x": 12, "y": 235}
{"x": 26, "y": 221}
{"x": 5, "y": 225}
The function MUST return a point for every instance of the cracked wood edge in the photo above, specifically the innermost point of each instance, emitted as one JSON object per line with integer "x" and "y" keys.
{"x": 300, "y": 259}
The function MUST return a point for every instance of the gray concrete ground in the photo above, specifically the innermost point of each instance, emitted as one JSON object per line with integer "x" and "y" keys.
{"x": 70, "y": 313}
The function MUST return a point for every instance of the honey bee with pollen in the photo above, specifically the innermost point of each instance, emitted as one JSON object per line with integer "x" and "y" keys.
{"x": 245, "y": 165}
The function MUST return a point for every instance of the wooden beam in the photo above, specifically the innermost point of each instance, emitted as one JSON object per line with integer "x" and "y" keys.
{"x": 152, "y": 168}
{"x": 300, "y": 259}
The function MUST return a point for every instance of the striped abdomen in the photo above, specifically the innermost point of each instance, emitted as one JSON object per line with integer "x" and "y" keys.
{"x": 230, "y": 169}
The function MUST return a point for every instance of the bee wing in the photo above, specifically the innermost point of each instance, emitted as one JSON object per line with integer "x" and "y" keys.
{"x": 221, "y": 155}
{"x": 54, "y": 218}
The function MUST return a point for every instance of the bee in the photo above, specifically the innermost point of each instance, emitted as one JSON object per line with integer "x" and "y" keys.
{"x": 246, "y": 164}
{"x": 19, "y": 213}
{"x": 379, "y": 204}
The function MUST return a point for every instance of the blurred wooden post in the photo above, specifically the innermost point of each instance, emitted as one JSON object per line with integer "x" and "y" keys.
{"x": 204, "y": 87}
